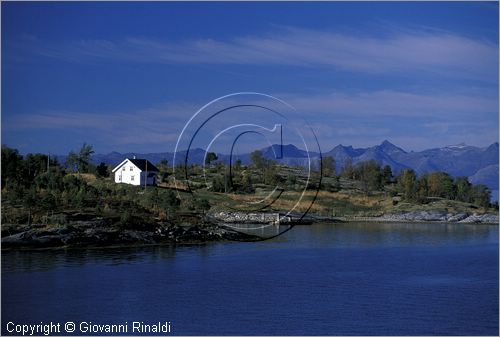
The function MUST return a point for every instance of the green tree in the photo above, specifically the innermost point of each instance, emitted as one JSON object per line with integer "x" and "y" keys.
{"x": 52, "y": 180}
{"x": 348, "y": 169}
{"x": 370, "y": 175}
{"x": 72, "y": 161}
{"x": 463, "y": 189}
{"x": 35, "y": 164}
{"x": 387, "y": 174}
{"x": 441, "y": 185}
{"x": 258, "y": 159}
{"x": 84, "y": 155}
{"x": 72, "y": 184}
{"x": 407, "y": 183}
{"x": 328, "y": 166}
{"x": 211, "y": 156}
{"x": 80, "y": 162}
{"x": 246, "y": 183}
{"x": 102, "y": 170}
{"x": 12, "y": 166}
{"x": 218, "y": 184}
{"x": 270, "y": 175}
{"x": 162, "y": 164}
{"x": 423, "y": 187}
{"x": 481, "y": 195}
{"x": 237, "y": 165}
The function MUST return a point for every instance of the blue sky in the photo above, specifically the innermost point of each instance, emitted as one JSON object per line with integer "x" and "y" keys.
{"x": 126, "y": 76}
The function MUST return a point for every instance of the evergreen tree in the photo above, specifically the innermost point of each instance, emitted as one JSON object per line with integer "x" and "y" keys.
{"x": 12, "y": 166}
{"x": 387, "y": 174}
{"x": 211, "y": 157}
{"x": 102, "y": 170}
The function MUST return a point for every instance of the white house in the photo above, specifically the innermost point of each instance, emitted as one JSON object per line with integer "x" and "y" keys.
{"x": 135, "y": 172}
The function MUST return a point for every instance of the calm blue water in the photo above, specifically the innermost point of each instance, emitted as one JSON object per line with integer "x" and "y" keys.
{"x": 347, "y": 279}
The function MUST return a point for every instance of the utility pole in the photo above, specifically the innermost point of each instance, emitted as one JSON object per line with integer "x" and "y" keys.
{"x": 146, "y": 177}
{"x": 48, "y": 162}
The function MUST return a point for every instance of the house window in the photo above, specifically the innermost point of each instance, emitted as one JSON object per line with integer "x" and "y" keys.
{"x": 131, "y": 178}
{"x": 131, "y": 168}
{"x": 123, "y": 169}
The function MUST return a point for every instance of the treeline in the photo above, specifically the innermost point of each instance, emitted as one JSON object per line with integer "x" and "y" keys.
{"x": 41, "y": 171}
{"x": 35, "y": 187}
{"x": 441, "y": 185}
{"x": 370, "y": 175}
{"x": 373, "y": 177}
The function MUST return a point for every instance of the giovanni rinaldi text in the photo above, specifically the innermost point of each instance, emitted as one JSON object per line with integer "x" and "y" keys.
{"x": 50, "y": 328}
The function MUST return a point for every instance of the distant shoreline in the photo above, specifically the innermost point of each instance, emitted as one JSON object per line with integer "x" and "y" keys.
{"x": 487, "y": 219}
{"x": 422, "y": 216}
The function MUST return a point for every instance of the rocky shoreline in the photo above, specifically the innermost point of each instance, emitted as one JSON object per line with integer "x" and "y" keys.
{"x": 442, "y": 216}
{"x": 436, "y": 215}
{"x": 99, "y": 233}
{"x": 430, "y": 216}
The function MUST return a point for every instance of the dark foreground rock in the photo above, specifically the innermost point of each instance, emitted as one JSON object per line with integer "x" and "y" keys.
{"x": 94, "y": 233}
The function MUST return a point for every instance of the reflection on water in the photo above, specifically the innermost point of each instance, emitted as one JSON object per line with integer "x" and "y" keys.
{"x": 39, "y": 260}
{"x": 402, "y": 234}
{"x": 260, "y": 230}
{"x": 362, "y": 234}
{"x": 324, "y": 279}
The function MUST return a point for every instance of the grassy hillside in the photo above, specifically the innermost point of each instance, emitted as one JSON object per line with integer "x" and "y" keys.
{"x": 337, "y": 196}
{"x": 33, "y": 194}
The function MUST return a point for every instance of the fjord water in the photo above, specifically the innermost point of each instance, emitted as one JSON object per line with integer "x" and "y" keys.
{"x": 324, "y": 279}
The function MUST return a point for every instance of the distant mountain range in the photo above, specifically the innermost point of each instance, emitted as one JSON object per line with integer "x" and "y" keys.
{"x": 479, "y": 164}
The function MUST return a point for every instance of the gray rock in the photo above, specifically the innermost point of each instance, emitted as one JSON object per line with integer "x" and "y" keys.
{"x": 490, "y": 218}
{"x": 441, "y": 215}
{"x": 481, "y": 218}
{"x": 457, "y": 217}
